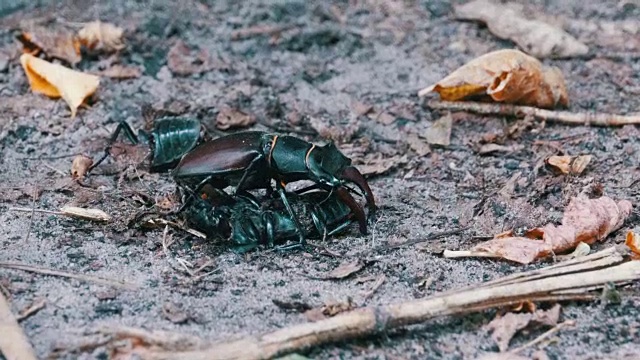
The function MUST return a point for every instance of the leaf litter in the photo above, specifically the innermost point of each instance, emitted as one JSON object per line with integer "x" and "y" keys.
{"x": 532, "y": 36}
{"x": 585, "y": 220}
{"x": 504, "y": 76}
{"x": 569, "y": 165}
{"x": 55, "y": 43}
{"x": 101, "y": 36}
{"x": 504, "y": 327}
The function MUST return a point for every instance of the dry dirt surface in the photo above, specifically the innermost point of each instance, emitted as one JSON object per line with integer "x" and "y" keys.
{"x": 347, "y": 70}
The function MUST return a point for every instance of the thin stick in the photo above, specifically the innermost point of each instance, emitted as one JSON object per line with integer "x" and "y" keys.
{"x": 36, "y": 210}
{"x": 375, "y": 319}
{"x": 467, "y": 253}
{"x": 83, "y": 277}
{"x": 33, "y": 211}
{"x": 566, "y": 117}
{"x": 14, "y": 344}
{"x": 543, "y": 336}
{"x": 34, "y": 308}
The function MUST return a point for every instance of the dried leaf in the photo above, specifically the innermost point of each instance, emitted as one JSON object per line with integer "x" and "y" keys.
{"x": 508, "y": 76}
{"x": 85, "y": 214}
{"x": 182, "y": 60}
{"x": 329, "y": 310}
{"x": 504, "y": 327}
{"x": 533, "y": 36}
{"x": 633, "y": 242}
{"x": 55, "y": 43}
{"x": 376, "y": 164}
{"x": 57, "y": 81}
{"x": 583, "y": 249}
{"x": 491, "y": 148}
{"x": 573, "y": 165}
{"x": 440, "y": 132}
{"x": 229, "y": 118}
{"x": 121, "y": 72}
{"x": 585, "y": 220}
{"x": 345, "y": 270}
{"x": 418, "y": 145}
{"x": 98, "y": 35}
{"x": 79, "y": 166}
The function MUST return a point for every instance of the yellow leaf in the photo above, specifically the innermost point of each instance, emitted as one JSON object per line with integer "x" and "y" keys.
{"x": 57, "y": 81}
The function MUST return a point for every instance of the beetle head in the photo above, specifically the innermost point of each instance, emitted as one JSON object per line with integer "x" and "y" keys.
{"x": 327, "y": 163}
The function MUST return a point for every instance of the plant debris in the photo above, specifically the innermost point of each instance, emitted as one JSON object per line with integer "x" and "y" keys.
{"x": 295, "y": 306}
{"x": 229, "y": 118}
{"x": 633, "y": 242}
{"x": 532, "y": 36}
{"x": 344, "y": 270}
{"x": 183, "y": 61}
{"x": 55, "y": 43}
{"x": 80, "y": 166}
{"x": 569, "y": 165}
{"x": 504, "y": 76}
{"x": 504, "y": 327}
{"x": 56, "y": 81}
{"x": 101, "y": 36}
{"x": 118, "y": 71}
{"x": 585, "y": 220}
{"x": 440, "y": 132}
{"x": 85, "y": 214}
{"x": 329, "y": 310}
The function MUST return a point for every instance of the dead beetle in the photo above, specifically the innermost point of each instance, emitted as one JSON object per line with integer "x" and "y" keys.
{"x": 249, "y": 160}
{"x": 247, "y": 223}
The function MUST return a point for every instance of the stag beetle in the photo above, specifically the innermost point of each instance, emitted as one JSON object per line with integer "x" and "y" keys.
{"x": 250, "y": 160}
{"x": 247, "y": 223}
{"x": 170, "y": 138}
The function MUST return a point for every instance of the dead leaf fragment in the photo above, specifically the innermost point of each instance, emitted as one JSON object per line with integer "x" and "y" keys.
{"x": 55, "y": 43}
{"x": 184, "y": 61}
{"x": 440, "y": 132}
{"x": 56, "y": 81}
{"x": 421, "y": 147}
{"x": 507, "y": 76}
{"x": 585, "y": 220}
{"x": 491, "y": 148}
{"x": 85, "y": 214}
{"x": 121, "y": 72}
{"x": 98, "y": 35}
{"x": 229, "y": 118}
{"x": 633, "y": 242}
{"x": 79, "y": 166}
{"x": 533, "y": 36}
{"x": 504, "y": 327}
{"x": 329, "y": 310}
{"x": 345, "y": 270}
{"x": 566, "y": 165}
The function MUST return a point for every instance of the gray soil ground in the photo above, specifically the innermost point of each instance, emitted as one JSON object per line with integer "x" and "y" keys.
{"x": 313, "y": 73}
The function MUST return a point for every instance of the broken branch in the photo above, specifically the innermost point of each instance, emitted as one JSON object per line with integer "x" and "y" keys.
{"x": 566, "y": 117}
{"x": 14, "y": 344}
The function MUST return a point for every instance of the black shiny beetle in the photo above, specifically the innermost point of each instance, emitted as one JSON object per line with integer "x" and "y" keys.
{"x": 248, "y": 223}
{"x": 250, "y": 160}
{"x": 169, "y": 139}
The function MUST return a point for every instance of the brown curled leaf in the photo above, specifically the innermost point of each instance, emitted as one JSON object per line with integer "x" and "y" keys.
{"x": 55, "y": 43}
{"x": 79, "y": 166}
{"x": 566, "y": 165}
{"x": 507, "y": 76}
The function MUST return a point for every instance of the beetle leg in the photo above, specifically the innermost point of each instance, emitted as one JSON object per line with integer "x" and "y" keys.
{"x": 283, "y": 197}
{"x": 128, "y": 132}
{"x": 249, "y": 168}
{"x": 357, "y": 210}
{"x": 352, "y": 174}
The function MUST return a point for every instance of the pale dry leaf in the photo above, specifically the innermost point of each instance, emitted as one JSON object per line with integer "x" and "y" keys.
{"x": 633, "y": 242}
{"x": 229, "y": 118}
{"x": 504, "y": 327}
{"x": 491, "y": 148}
{"x": 98, "y": 35}
{"x": 507, "y": 76}
{"x": 85, "y": 214}
{"x": 56, "y": 81}
{"x": 55, "y": 43}
{"x": 376, "y": 164}
{"x": 583, "y": 249}
{"x": 345, "y": 270}
{"x": 118, "y": 71}
{"x": 440, "y": 132}
{"x": 533, "y": 36}
{"x": 585, "y": 220}
{"x": 421, "y": 147}
{"x": 80, "y": 165}
{"x": 566, "y": 165}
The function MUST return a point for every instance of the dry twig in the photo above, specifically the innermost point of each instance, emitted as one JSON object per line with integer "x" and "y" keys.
{"x": 538, "y": 285}
{"x": 53, "y": 272}
{"x": 14, "y": 344}
{"x": 566, "y": 117}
